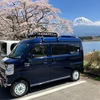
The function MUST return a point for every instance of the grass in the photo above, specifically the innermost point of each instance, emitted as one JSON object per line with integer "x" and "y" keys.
{"x": 85, "y": 64}
{"x": 89, "y": 73}
{"x": 97, "y": 78}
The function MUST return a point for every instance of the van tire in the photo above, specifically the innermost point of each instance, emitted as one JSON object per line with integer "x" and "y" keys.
{"x": 19, "y": 88}
{"x": 75, "y": 75}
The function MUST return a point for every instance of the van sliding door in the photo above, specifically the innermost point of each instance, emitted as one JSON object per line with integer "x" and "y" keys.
{"x": 59, "y": 66}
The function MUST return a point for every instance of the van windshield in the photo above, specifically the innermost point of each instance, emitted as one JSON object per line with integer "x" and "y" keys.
{"x": 18, "y": 50}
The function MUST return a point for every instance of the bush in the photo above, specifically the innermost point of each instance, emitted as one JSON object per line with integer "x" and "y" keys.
{"x": 93, "y": 59}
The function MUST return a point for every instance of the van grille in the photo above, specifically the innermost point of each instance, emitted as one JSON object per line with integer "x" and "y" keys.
{"x": 2, "y": 70}
{"x": 2, "y": 65}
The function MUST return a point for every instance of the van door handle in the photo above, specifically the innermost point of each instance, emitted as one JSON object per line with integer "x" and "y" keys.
{"x": 45, "y": 62}
{"x": 53, "y": 61}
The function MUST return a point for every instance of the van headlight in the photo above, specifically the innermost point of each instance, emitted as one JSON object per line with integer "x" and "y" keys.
{"x": 9, "y": 69}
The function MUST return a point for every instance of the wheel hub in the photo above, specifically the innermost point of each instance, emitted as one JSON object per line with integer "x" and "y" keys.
{"x": 20, "y": 89}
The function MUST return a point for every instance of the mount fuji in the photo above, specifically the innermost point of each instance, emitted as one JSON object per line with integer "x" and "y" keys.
{"x": 85, "y": 27}
{"x": 82, "y": 21}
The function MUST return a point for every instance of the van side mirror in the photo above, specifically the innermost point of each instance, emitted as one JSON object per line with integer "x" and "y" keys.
{"x": 30, "y": 56}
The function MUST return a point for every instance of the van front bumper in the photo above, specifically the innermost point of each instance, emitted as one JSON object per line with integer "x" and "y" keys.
{"x": 3, "y": 83}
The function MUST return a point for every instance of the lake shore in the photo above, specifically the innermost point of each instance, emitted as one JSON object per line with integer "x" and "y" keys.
{"x": 90, "y": 38}
{"x": 90, "y": 46}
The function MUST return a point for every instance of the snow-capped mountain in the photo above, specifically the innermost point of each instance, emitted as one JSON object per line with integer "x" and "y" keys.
{"x": 85, "y": 27}
{"x": 82, "y": 21}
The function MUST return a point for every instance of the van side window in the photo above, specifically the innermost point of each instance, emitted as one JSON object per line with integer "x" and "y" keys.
{"x": 74, "y": 48}
{"x": 39, "y": 51}
{"x": 59, "y": 49}
{"x": 12, "y": 46}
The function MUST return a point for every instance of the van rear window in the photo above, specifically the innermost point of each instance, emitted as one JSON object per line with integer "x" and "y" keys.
{"x": 3, "y": 48}
{"x": 12, "y": 46}
{"x": 74, "y": 48}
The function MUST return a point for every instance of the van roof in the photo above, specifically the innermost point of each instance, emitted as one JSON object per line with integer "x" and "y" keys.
{"x": 9, "y": 41}
{"x": 52, "y": 39}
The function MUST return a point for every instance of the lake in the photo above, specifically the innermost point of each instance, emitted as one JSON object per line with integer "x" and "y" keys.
{"x": 90, "y": 46}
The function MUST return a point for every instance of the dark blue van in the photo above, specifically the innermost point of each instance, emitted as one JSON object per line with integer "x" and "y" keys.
{"x": 40, "y": 59}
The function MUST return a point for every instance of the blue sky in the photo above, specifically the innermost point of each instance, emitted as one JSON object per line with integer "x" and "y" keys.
{"x": 72, "y": 9}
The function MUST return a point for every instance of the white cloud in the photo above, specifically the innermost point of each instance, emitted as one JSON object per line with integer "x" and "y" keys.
{"x": 97, "y": 23}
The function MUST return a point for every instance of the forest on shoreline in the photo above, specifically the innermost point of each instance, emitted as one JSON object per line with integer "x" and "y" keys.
{"x": 90, "y": 38}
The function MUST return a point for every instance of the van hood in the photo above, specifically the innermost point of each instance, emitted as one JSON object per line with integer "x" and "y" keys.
{"x": 7, "y": 60}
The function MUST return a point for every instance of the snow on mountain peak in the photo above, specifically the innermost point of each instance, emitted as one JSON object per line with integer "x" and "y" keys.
{"x": 82, "y": 21}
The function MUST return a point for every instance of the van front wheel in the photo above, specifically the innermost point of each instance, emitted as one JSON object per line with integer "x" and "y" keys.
{"x": 75, "y": 75}
{"x": 19, "y": 88}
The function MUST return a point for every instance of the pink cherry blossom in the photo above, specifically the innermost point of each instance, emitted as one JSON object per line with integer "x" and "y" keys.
{"x": 21, "y": 17}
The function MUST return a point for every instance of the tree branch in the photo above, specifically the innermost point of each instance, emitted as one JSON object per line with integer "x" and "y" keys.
{"x": 5, "y": 21}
